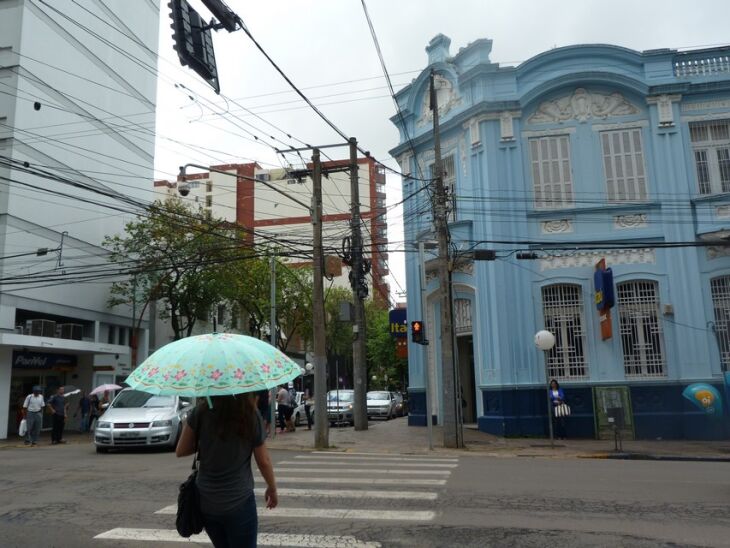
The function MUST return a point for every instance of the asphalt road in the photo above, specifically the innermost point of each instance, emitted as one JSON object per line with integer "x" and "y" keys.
{"x": 65, "y": 496}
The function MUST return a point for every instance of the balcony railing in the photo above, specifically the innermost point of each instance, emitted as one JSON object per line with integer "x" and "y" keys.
{"x": 709, "y": 63}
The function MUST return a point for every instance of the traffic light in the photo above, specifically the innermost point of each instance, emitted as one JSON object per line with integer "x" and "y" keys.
{"x": 418, "y": 332}
{"x": 193, "y": 42}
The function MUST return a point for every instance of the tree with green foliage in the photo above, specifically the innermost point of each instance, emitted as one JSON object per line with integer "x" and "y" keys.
{"x": 382, "y": 361}
{"x": 177, "y": 255}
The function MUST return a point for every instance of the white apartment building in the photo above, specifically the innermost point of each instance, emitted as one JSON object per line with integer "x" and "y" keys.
{"x": 70, "y": 76}
{"x": 271, "y": 216}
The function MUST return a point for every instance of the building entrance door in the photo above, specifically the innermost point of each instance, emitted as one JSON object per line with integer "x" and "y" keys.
{"x": 465, "y": 346}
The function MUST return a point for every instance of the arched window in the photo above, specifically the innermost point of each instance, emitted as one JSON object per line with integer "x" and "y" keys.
{"x": 562, "y": 306}
{"x": 721, "y": 303}
{"x": 641, "y": 329}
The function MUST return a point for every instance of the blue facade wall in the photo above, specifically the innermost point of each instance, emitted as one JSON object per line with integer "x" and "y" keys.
{"x": 670, "y": 238}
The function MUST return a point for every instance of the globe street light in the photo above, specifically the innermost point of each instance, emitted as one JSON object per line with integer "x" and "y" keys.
{"x": 545, "y": 341}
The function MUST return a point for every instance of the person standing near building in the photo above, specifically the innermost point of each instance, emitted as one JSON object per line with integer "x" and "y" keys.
{"x": 33, "y": 413}
{"x": 308, "y": 407}
{"x": 282, "y": 402}
{"x": 84, "y": 410}
{"x": 59, "y": 409}
{"x": 557, "y": 397}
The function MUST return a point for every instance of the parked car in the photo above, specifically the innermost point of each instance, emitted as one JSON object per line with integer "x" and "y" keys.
{"x": 401, "y": 404}
{"x": 139, "y": 419}
{"x": 339, "y": 406}
{"x": 381, "y": 404}
{"x": 299, "y": 414}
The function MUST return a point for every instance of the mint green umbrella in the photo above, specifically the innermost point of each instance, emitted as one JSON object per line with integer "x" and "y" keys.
{"x": 213, "y": 365}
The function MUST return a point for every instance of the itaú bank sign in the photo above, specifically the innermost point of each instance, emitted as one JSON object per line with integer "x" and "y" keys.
{"x": 42, "y": 360}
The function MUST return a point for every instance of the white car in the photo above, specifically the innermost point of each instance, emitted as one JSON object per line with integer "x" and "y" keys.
{"x": 381, "y": 404}
{"x": 139, "y": 419}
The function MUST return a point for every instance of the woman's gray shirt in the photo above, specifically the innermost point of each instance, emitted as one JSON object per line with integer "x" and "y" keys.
{"x": 224, "y": 470}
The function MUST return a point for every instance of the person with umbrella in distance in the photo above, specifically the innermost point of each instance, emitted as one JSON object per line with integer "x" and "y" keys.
{"x": 225, "y": 429}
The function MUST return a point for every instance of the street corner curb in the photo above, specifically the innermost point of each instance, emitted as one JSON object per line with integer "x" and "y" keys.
{"x": 653, "y": 457}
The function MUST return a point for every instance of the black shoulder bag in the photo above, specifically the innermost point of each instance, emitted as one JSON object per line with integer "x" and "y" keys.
{"x": 189, "y": 517}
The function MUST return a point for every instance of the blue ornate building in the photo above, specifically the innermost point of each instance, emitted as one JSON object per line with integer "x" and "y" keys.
{"x": 618, "y": 154}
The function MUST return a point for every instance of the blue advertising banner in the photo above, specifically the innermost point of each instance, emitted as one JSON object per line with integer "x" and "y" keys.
{"x": 41, "y": 360}
{"x": 398, "y": 323}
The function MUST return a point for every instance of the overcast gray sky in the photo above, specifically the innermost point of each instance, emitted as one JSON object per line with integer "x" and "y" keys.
{"x": 325, "y": 47}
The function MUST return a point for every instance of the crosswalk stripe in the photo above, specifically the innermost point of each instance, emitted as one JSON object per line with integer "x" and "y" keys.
{"x": 333, "y": 513}
{"x": 378, "y": 471}
{"x": 376, "y": 456}
{"x": 352, "y": 493}
{"x": 342, "y": 462}
{"x": 359, "y": 481}
{"x": 264, "y": 539}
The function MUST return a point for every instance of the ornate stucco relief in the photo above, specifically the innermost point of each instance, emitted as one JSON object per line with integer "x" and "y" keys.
{"x": 715, "y": 252}
{"x": 446, "y": 97}
{"x": 582, "y": 105}
{"x": 705, "y": 105}
{"x": 623, "y": 222}
{"x": 506, "y": 127}
{"x": 556, "y": 226}
{"x": 722, "y": 212}
{"x": 576, "y": 259}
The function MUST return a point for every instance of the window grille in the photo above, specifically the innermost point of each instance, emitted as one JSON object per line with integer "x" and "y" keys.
{"x": 563, "y": 311}
{"x": 551, "y": 171}
{"x": 209, "y": 200}
{"x": 209, "y": 186}
{"x": 623, "y": 165}
{"x": 640, "y": 327}
{"x": 721, "y": 303}
{"x": 711, "y": 147}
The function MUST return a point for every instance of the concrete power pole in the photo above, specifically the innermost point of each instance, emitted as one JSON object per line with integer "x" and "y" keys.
{"x": 321, "y": 424}
{"x": 359, "y": 293}
{"x": 451, "y": 430}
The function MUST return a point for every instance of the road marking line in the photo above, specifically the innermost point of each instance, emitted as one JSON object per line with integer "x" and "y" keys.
{"x": 377, "y": 456}
{"x": 359, "y": 462}
{"x": 353, "y": 493}
{"x": 360, "y": 481}
{"x": 366, "y": 471}
{"x": 333, "y": 513}
{"x": 264, "y": 539}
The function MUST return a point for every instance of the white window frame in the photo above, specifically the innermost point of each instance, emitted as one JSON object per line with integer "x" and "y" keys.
{"x": 711, "y": 155}
{"x": 720, "y": 291}
{"x": 564, "y": 315}
{"x": 551, "y": 168}
{"x": 624, "y": 170}
{"x": 640, "y": 327}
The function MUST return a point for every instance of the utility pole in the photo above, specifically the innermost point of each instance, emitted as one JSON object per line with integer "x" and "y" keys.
{"x": 321, "y": 422}
{"x": 359, "y": 293}
{"x": 272, "y": 323}
{"x": 450, "y": 430}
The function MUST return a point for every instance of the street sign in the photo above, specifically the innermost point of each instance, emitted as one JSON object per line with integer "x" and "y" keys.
{"x": 398, "y": 323}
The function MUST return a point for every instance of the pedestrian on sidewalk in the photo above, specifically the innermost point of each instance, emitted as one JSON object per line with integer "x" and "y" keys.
{"x": 84, "y": 409}
{"x": 263, "y": 403}
{"x": 557, "y": 397}
{"x": 59, "y": 409}
{"x": 226, "y": 433}
{"x": 33, "y": 413}
{"x": 93, "y": 411}
{"x": 282, "y": 402}
{"x": 308, "y": 407}
{"x": 290, "y": 427}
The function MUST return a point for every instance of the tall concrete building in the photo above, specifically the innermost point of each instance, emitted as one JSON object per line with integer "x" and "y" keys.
{"x": 77, "y": 112}
{"x": 581, "y": 154}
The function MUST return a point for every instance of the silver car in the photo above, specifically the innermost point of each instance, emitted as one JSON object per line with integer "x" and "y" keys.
{"x": 381, "y": 404}
{"x": 339, "y": 406}
{"x": 139, "y": 419}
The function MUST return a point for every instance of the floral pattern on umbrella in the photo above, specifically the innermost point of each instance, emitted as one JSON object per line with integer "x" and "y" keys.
{"x": 214, "y": 364}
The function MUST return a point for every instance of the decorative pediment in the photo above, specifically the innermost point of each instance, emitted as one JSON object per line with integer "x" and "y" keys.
{"x": 582, "y": 106}
{"x": 446, "y": 99}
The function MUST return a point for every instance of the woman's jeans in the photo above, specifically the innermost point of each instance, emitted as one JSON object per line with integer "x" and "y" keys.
{"x": 236, "y": 529}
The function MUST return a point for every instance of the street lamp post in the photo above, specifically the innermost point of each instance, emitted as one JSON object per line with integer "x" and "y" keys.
{"x": 545, "y": 341}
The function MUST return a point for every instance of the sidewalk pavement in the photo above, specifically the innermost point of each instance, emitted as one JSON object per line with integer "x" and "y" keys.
{"x": 395, "y": 436}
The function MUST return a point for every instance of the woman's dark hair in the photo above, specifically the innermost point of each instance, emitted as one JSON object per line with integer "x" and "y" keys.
{"x": 557, "y": 384}
{"x": 234, "y": 414}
